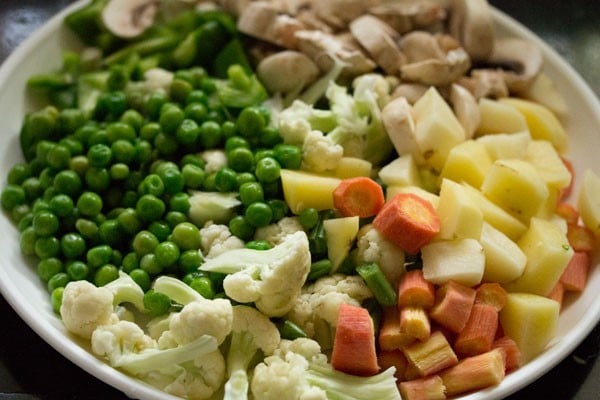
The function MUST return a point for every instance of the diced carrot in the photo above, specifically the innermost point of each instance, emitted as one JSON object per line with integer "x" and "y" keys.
{"x": 354, "y": 343}
{"x": 575, "y": 275}
{"x": 432, "y": 355}
{"x": 453, "y": 305}
{"x": 429, "y": 388}
{"x": 390, "y": 337}
{"x": 359, "y": 196}
{"x": 409, "y": 221}
{"x": 557, "y": 293}
{"x": 580, "y": 237}
{"x": 566, "y": 192}
{"x": 474, "y": 373}
{"x": 414, "y": 322}
{"x": 512, "y": 354}
{"x": 393, "y": 358}
{"x": 415, "y": 290}
{"x": 411, "y": 372}
{"x": 491, "y": 293}
{"x": 567, "y": 212}
{"x": 479, "y": 332}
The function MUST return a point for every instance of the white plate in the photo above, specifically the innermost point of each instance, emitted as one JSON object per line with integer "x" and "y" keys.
{"x": 21, "y": 287}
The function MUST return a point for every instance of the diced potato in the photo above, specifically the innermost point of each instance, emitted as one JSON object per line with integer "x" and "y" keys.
{"x": 544, "y": 157}
{"x": 516, "y": 186}
{"x": 497, "y": 117}
{"x": 504, "y": 260}
{"x": 548, "y": 253}
{"x": 506, "y": 145}
{"x": 496, "y": 215}
{"x": 467, "y": 162}
{"x": 304, "y": 190}
{"x": 340, "y": 233}
{"x": 437, "y": 129}
{"x": 434, "y": 199}
{"x": 461, "y": 260}
{"x": 544, "y": 91}
{"x": 401, "y": 172}
{"x": 350, "y": 167}
{"x": 531, "y": 321}
{"x": 549, "y": 206}
{"x": 542, "y": 123}
{"x": 588, "y": 201}
{"x": 460, "y": 217}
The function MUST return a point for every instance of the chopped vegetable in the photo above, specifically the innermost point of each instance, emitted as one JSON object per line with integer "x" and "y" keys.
{"x": 360, "y": 196}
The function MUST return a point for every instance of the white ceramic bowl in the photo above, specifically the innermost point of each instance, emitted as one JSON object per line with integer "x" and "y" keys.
{"x": 21, "y": 287}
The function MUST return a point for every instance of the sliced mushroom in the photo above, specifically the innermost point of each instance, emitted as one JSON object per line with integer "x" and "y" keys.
{"x": 410, "y": 91}
{"x": 233, "y": 7}
{"x": 471, "y": 23}
{"x": 420, "y": 46}
{"x": 286, "y": 71}
{"x": 398, "y": 119}
{"x": 319, "y": 45}
{"x": 465, "y": 108}
{"x": 129, "y": 18}
{"x": 379, "y": 39}
{"x": 520, "y": 60}
{"x": 338, "y": 13}
{"x": 485, "y": 83}
{"x": 405, "y": 16}
{"x": 262, "y": 20}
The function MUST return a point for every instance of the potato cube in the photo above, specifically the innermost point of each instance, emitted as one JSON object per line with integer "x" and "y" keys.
{"x": 340, "y": 233}
{"x": 459, "y": 215}
{"x": 304, "y": 190}
{"x": 401, "y": 172}
{"x": 544, "y": 157}
{"x": 589, "y": 201}
{"x": 504, "y": 259}
{"x": 467, "y": 162}
{"x": 460, "y": 260}
{"x": 506, "y": 145}
{"x": 497, "y": 117}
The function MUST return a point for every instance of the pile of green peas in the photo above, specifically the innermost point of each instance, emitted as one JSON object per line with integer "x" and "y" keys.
{"x": 109, "y": 192}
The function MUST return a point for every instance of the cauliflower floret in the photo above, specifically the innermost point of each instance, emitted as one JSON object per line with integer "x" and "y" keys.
{"x": 272, "y": 279}
{"x": 317, "y": 307}
{"x": 214, "y": 159}
{"x": 294, "y": 122}
{"x": 217, "y": 239}
{"x": 274, "y": 233}
{"x": 202, "y": 317}
{"x": 85, "y": 307}
{"x": 373, "y": 247}
{"x": 114, "y": 340}
{"x": 200, "y": 378}
{"x": 320, "y": 153}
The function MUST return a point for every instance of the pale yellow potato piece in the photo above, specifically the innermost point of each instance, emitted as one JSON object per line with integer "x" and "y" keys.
{"x": 542, "y": 122}
{"x": 531, "y": 321}
{"x": 433, "y": 198}
{"x": 517, "y": 187}
{"x": 504, "y": 260}
{"x": 497, "y": 117}
{"x": 461, "y": 260}
{"x": 544, "y": 157}
{"x": 548, "y": 253}
{"x": 459, "y": 215}
{"x": 402, "y": 171}
{"x": 304, "y": 190}
{"x": 467, "y": 162}
{"x": 351, "y": 167}
{"x": 588, "y": 201}
{"x": 506, "y": 145}
{"x": 341, "y": 233}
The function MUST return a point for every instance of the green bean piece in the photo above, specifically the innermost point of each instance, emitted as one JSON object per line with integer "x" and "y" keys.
{"x": 319, "y": 268}
{"x": 378, "y": 283}
{"x": 289, "y": 330}
{"x": 258, "y": 245}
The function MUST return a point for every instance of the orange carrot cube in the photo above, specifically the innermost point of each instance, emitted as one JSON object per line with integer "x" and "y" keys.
{"x": 567, "y": 212}
{"x": 512, "y": 355}
{"x": 390, "y": 336}
{"x": 414, "y": 322}
{"x": 491, "y": 293}
{"x": 474, "y": 373}
{"x": 453, "y": 305}
{"x": 580, "y": 238}
{"x": 393, "y": 358}
{"x": 557, "y": 293}
{"x": 479, "y": 332}
{"x": 415, "y": 290}
{"x": 431, "y": 355}
{"x": 575, "y": 275}
{"x": 429, "y": 388}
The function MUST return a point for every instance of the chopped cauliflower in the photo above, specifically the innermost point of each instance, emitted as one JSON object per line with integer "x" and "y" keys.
{"x": 122, "y": 337}
{"x": 217, "y": 239}
{"x": 214, "y": 159}
{"x": 274, "y": 233}
{"x": 320, "y": 153}
{"x": 373, "y": 247}
{"x": 202, "y": 317}
{"x": 200, "y": 379}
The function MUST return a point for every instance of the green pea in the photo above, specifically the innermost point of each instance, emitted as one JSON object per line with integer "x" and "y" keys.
{"x": 74, "y": 146}
{"x": 229, "y": 129}
{"x": 263, "y": 153}
{"x": 156, "y": 100}
{"x": 58, "y": 157}
{"x": 267, "y": 170}
{"x": 245, "y": 177}
{"x": 111, "y": 105}
{"x": 97, "y": 179}
{"x": 211, "y": 134}
{"x": 59, "y": 280}
{"x": 105, "y": 274}
{"x": 77, "y": 270}
{"x": 166, "y": 144}
{"x": 188, "y": 131}
{"x": 110, "y": 232}
{"x": 12, "y": 196}
{"x": 196, "y": 112}
{"x": 150, "y": 208}
{"x": 41, "y": 205}
{"x": 258, "y": 245}
{"x": 142, "y": 278}
{"x": 270, "y": 137}
{"x": 129, "y": 221}
{"x": 171, "y": 116}
{"x": 143, "y": 151}
{"x": 72, "y": 245}
{"x": 240, "y": 227}
{"x": 234, "y": 142}
{"x": 152, "y": 184}
{"x": 27, "y": 241}
{"x": 209, "y": 182}
{"x": 197, "y": 96}
{"x": 61, "y": 205}
{"x": 149, "y": 131}
{"x": 288, "y": 156}
{"x": 119, "y": 171}
{"x": 56, "y": 299}
{"x": 68, "y": 182}
{"x": 99, "y": 155}
{"x": 226, "y": 180}
{"x": 250, "y": 122}
{"x": 149, "y": 264}
{"x": 193, "y": 176}
{"x": 25, "y": 221}
{"x": 42, "y": 149}
{"x": 279, "y": 208}
{"x": 49, "y": 267}
{"x": 156, "y": 303}
{"x": 190, "y": 260}
{"x": 204, "y": 286}
{"x": 144, "y": 243}
{"x": 89, "y": 204}
{"x": 123, "y": 151}
{"x": 175, "y": 218}
{"x": 47, "y": 246}
{"x": 258, "y": 214}
{"x": 120, "y": 131}
{"x": 18, "y": 173}
{"x": 160, "y": 229}
{"x": 133, "y": 118}
{"x": 180, "y": 202}
{"x": 309, "y": 218}
{"x": 251, "y": 192}
{"x": 98, "y": 256}
{"x": 98, "y": 136}
{"x": 88, "y": 229}
{"x": 240, "y": 159}
{"x": 71, "y": 119}
{"x": 79, "y": 164}
{"x": 130, "y": 262}
{"x": 166, "y": 253}
{"x": 186, "y": 236}
{"x": 172, "y": 179}
{"x": 32, "y": 188}
{"x": 45, "y": 223}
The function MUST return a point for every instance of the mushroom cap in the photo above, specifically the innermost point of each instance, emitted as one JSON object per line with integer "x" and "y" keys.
{"x": 521, "y": 62}
{"x": 438, "y": 72}
{"x": 286, "y": 71}
{"x": 405, "y": 16}
{"x": 129, "y": 18}
{"x": 262, "y": 20}
{"x": 472, "y": 24}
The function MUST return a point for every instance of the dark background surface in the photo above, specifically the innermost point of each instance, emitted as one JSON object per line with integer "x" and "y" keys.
{"x": 31, "y": 369}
